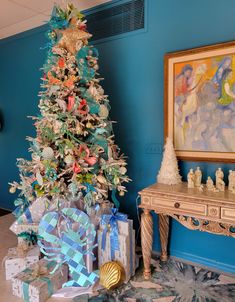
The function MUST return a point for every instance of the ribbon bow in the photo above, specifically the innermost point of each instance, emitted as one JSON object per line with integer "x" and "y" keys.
{"x": 110, "y": 223}
{"x": 30, "y": 237}
{"x": 67, "y": 236}
{"x": 39, "y": 270}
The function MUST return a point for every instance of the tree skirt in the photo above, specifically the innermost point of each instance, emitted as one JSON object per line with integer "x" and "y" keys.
{"x": 173, "y": 281}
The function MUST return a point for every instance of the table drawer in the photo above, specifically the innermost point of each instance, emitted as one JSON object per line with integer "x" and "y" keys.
{"x": 214, "y": 212}
{"x": 179, "y": 206}
{"x": 228, "y": 214}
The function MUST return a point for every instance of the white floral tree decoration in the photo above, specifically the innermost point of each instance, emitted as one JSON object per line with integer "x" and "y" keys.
{"x": 169, "y": 172}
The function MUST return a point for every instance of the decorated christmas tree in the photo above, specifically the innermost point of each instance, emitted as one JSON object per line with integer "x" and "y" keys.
{"x": 169, "y": 172}
{"x": 74, "y": 156}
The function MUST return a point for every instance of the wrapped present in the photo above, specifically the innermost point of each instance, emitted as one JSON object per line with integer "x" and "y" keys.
{"x": 116, "y": 242}
{"x": 18, "y": 228}
{"x": 38, "y": 282}
{"x": 18, "y": 259}
{"x": 29, "y": 219}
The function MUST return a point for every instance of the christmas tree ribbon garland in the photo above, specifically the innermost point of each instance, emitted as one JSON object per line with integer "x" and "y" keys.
{"x": 114, "y": 198}
{"x": 32, "y": 278}
{"x": 70, "y": 242}
{"x": 110, "y": 223}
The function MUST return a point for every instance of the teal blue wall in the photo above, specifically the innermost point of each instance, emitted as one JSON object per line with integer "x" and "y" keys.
{"x": 133, "y": 71}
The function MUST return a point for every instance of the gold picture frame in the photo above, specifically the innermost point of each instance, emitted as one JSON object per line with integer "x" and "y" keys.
{"x": 199, "y": 102}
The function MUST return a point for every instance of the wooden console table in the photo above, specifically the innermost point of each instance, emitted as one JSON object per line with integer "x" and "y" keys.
{"x": 205, "y": 211}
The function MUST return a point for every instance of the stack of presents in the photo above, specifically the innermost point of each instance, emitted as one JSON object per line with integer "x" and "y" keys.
{"x": 66, "y": 249}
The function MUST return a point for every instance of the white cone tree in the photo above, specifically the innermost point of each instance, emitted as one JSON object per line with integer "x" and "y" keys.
{"x": 169, "y": 172}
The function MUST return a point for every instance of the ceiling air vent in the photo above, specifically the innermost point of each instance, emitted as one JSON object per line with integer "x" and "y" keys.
{"x": 119, "y": 19}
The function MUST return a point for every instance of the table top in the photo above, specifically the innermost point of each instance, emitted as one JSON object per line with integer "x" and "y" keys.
{"x": 8, "y": 239}
{"x": 182, "y": 189}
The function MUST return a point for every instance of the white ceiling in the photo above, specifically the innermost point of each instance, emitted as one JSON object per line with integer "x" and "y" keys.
{"x": 19, "y": 15}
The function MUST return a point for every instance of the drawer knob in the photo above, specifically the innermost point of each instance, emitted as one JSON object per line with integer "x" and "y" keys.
{"x": 177, "y": 205}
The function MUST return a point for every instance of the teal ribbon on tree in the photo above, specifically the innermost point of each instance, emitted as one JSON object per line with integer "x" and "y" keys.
{"x": 110, "y": 223}
{"x": 114, "y": 198}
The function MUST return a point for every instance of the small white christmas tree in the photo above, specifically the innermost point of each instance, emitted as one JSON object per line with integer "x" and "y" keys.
{"x": 169, "y": 172}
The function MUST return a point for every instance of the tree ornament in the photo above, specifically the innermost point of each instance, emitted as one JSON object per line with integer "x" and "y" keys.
{"x": 103, "y": 113}
{"x": 12, "y": 190}
{"x": 71, "y": 102}
{"x": 123, "y": 170}
{"x": 70, "y": 37}
{"x": 89, "y": 125}
{"x": 101, "y": 179}
{"x": 39, "y": 178}
{"x": 91, "y": 160}
{"x": 76, "y": 168}
{"x": 48, "y": 153}
{"x": 169, "y": 172}
{"x": 82, "y": 108}
{"x": 69, "y": 159}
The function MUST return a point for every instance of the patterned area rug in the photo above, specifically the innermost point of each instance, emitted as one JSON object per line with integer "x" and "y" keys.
{"x": 172, "y": 282}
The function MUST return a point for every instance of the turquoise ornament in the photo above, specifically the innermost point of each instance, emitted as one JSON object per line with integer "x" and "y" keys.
{"x": 51, "y": 174}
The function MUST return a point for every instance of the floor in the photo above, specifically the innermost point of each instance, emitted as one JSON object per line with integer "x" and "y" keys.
{"x": 172, "y": 282}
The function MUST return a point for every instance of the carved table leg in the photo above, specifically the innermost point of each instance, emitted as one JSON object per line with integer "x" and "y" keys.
{"x": 164, "y": 232}
{"x": 146, "y": 241}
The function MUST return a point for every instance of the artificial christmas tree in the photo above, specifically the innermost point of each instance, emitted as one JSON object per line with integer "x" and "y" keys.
{"x": 169, "y": 172}
{"x": 73, "y": 154}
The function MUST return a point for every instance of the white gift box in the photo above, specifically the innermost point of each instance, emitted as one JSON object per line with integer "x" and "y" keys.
{"x": 14, "y": 263}
{"x": 38, "y": 288}
{"x": 18, "y": 228}
{"x": 126, "y": 253}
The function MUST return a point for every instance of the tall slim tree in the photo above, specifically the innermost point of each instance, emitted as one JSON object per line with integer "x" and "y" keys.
{"x": 73, "y": 153}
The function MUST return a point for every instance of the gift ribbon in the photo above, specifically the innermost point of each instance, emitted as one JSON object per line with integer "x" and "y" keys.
{"x": 30, "y": 236}
{"x": 110, "y": 223}
{"x": 37, "y": 274}
{"x": 71, "y": 245}
{"x": 19, "y": 252}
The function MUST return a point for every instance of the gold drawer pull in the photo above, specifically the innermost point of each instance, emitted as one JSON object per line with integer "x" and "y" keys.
{"x": 177, "y": 205}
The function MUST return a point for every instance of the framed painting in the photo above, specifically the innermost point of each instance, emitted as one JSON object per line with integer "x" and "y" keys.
{"x": 200, "y": 102}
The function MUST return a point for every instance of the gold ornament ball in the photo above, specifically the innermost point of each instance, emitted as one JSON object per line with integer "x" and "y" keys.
{"x": 121, "y": 193}
{"x": 104, "y": 112}
{"x": 69, "y": 159}
{"x": 116, "y": 180}
{"x": 123, "y": 170}
{"x": 89, "y": 125}
{"x": 12, "y": 190}
{"x": 112, "y": 275}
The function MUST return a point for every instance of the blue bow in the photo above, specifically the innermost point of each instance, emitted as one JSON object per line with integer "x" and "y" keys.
{"x": 110, "y": 223}
{"x": 22, "y": 205}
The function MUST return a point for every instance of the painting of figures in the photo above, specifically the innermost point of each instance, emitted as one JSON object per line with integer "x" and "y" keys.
{"x": 200, "y": 102}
